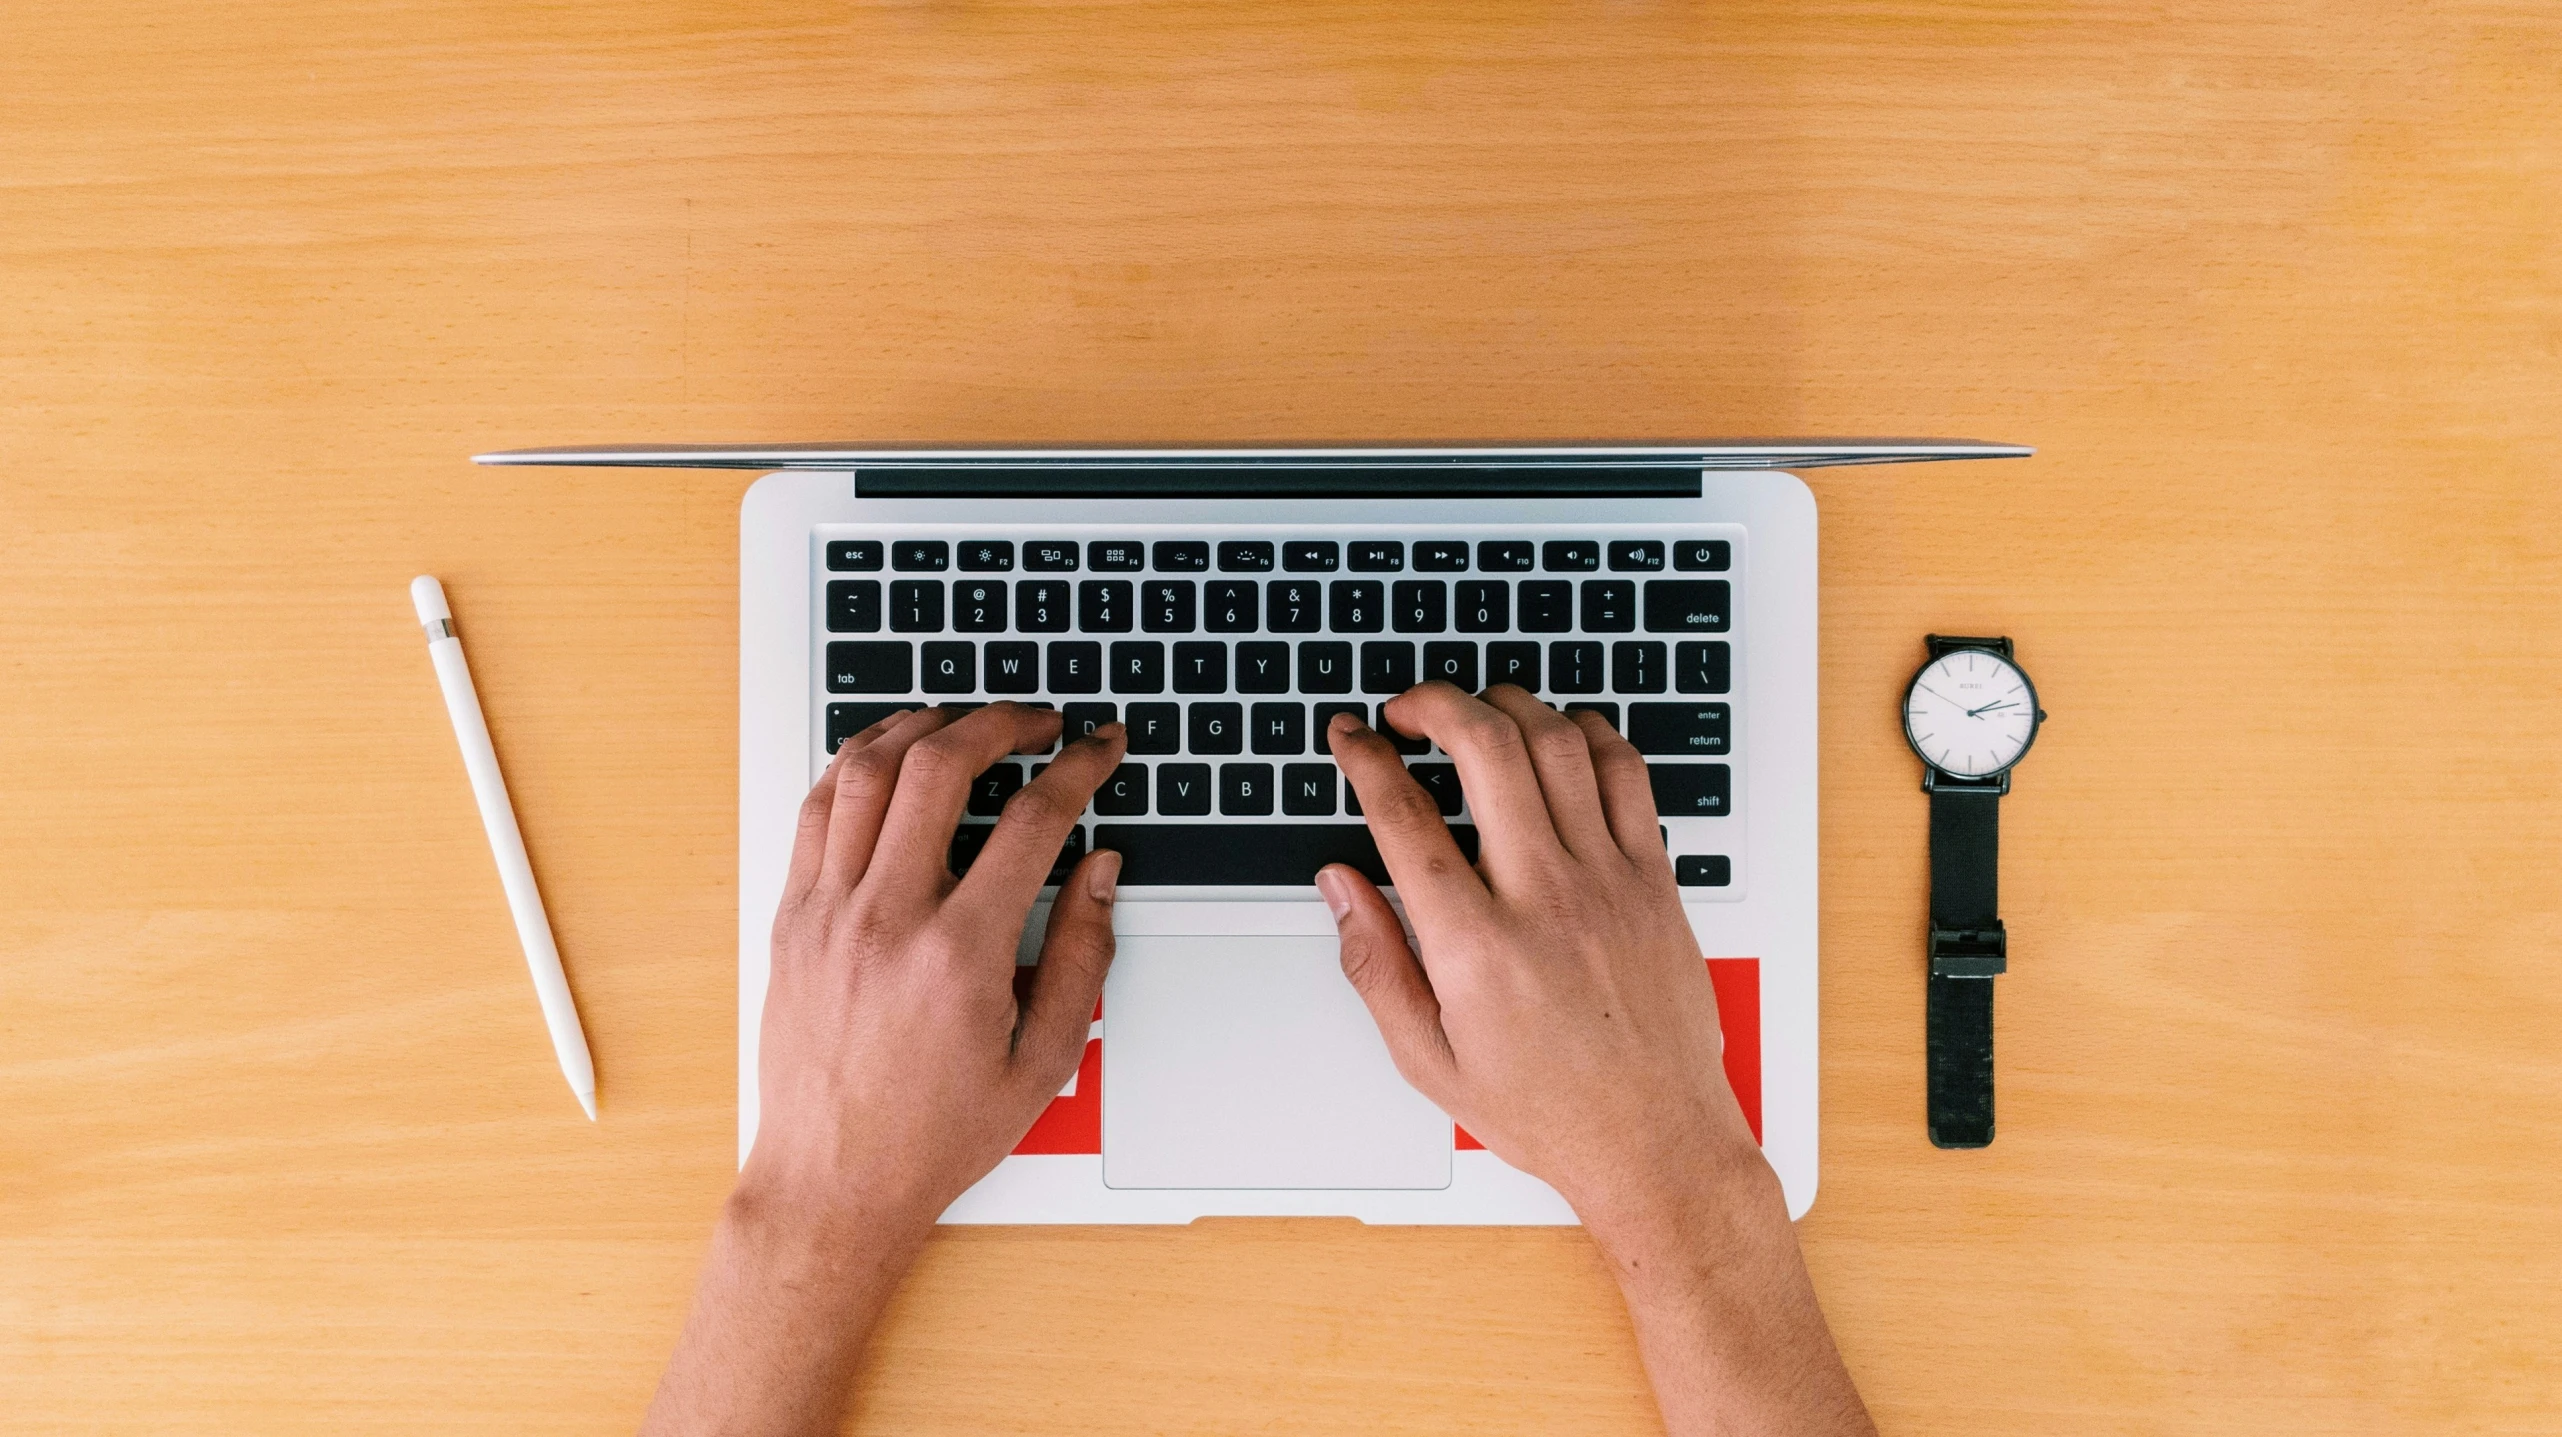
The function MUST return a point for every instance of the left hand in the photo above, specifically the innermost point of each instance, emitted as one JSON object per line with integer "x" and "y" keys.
{"x": 896, "y": 1066}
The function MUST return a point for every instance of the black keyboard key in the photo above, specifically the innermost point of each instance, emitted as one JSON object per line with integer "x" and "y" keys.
{"x": 978, "y": 606}
{"x": 1609, "y": 606}
{"x": 1182, "y": 791}
{"x": 1513, "y": 663}
{"x": 1637, "y": 667}
{"x": 1440, "y": 556}
{"x": 1547, "y": 606}
{"x": 854, "y": 606}
{"x": 871, "y": 668}
{"x": 1050, "y": 556}
{"x": 1423, "y": 606}
{"x": 967, "y": 841}
{"x": 1138, "y": 667}
{"x": 1215, "y": 728}
{"x": 1180, "y": 556}
{"x": 1201, "y": 668}
{"x": 1609, "y": 711}
{"x": 1325, "y": 668}
{"x": 1703, "y": 668}
{"x": 1504, "y": 556}
{"x": 1250, "y": 855}
{"x": 1013, "y": 668}
{"x": 1701, "y": 730}
{"x": 1703, "y": 870}
{"x": 1041, "y": 606}
{"x": 1076, "y": 668}
{"x": 1125, "y": 793}
{"x": 1165, "y": 606}
{"x": 846, "y": 720}
{"x": 1230, "y": 606}
{"x": 1245, "y": 556}
{"x": 1636, "y": 555}
{"x": 1690, "y": 790}
{"x": 1453, "y": 664}
{"x": 1078, "y": 721}
{"x": 1703, "y": 555}
{"x": 1485, "y": 606}
{"x": 1359, "y": 606}
{"x": 951, "y": 668}
{"x": 1290, "y": 606}
{"x": 1070, "y": 851}
{"x": 1103, "y": 606}
{"x": 916, "y": 606}
{"x": 1105, "y": 555}
{"x": 1574, "y": 667}
{"x": 853, "y": 556}
{"x": 1441, "y": 780}
{"x": 1387, "y": 668}
{"x": 987, "y": 556}
{"x": 1245, "y": 789}
{"x": 1324, "y": 723}
{"x": 1675, "y": 606}
{"x": 1278, "y": 728}
{"x": 1263, "y": 668}
{"x": 1307, "y": 790}
{"x": 1311, "y": 556}
{"x": 920, "y": 556}
{"x": 1155, "y": 728}
{"x": 990, "y": 790}
{"x": 1567, "y": 555}
{"x": 1375, "y": 556}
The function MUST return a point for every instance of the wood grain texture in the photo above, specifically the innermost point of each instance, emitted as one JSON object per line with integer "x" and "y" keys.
{"x": 2277, "y": 289}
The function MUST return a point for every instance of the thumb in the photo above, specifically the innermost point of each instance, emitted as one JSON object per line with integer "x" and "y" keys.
{"x": 1076, "y": 952}
{"x": 1384, "y": 971}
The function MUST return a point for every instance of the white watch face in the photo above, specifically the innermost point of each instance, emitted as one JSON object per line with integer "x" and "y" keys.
{"x": 1971, "y": 713}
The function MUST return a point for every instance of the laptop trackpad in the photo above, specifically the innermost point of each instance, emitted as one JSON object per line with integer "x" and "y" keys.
{"x": 1251, "y": 1063}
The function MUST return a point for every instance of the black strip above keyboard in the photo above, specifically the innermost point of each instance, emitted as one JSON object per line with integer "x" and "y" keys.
{"x": 1262, "y": 855}
{"x": 1278, "y": 480}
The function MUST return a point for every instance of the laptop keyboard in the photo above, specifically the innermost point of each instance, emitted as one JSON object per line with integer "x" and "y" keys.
{"x": 1227, "y": 654}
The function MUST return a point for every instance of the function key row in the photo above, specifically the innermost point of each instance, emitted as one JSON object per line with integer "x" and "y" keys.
{"x": 1281, "y": 606}
{"x": 1297, "y": 556}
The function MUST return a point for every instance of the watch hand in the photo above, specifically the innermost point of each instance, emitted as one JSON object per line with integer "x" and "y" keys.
{"x": 1934, "y": 693}
{"x": 1988, "y": 708}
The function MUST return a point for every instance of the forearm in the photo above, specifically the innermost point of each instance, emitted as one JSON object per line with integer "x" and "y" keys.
{"x": 1726, "y": 1317}
{"x": 789, "y": 1294}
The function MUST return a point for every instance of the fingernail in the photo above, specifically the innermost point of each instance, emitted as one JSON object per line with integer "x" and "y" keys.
{"x": 1337, "y": 896}
{"x": 1106, "y": 872}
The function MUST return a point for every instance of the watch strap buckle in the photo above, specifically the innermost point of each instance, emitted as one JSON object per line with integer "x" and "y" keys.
{"x": 1979, "y": 952}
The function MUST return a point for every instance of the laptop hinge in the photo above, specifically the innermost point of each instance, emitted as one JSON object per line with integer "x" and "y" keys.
{"x": 1277, "y": 481}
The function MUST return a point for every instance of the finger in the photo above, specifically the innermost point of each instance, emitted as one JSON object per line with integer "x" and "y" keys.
{"x": 933, "y": 784}
{"x": 1075, "y": 954}
{"x": 1384, "y": 971}
{"x": 1009, "y": 872}
{"x": 866, "y": 777}
{"x": 1514, "y": 834}
{"x": 1562, "y": 757}
{"x": 809, "y": 838}
{"x": 1626, "y": 797}
{"x": 1423, "y": 860}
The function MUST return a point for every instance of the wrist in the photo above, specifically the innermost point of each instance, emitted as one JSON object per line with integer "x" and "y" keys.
{"x": 828, "y": 1228}
{"x": 1683, "y": 1222}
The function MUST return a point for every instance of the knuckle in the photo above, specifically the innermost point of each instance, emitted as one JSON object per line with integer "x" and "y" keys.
{"x": 1042, "y": 806}
{"x": 934, "y": 760}
{"x": 866, "y": 772}
{"x": 1559, "y": 745}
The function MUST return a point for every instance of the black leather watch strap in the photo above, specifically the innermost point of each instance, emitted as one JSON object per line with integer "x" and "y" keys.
{"x": 1967, "y": 948}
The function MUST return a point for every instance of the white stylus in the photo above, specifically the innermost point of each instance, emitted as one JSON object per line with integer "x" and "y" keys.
{"x": 515, "y": 871}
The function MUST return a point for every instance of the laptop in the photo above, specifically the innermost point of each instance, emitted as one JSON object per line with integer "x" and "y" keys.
{"x": 1224, "y": 604}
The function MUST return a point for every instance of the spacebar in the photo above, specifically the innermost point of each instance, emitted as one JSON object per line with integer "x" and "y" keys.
{"x": 1256, "y": 854}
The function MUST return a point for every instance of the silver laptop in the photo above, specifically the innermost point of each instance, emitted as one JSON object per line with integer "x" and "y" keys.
{"x": 1224, "y": 604}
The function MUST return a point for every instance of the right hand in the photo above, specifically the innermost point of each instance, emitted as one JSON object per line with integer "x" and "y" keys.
{"x": 1560, "y": 1008}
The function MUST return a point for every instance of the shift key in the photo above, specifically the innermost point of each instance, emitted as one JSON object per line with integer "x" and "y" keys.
{"x": 1691, "y": 790}
{"x": 1679, "y": 728}
{"x": 871, "y": 668}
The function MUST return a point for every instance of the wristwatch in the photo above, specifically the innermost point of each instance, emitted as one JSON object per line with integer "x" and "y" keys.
{"x": 1970, "y": 714}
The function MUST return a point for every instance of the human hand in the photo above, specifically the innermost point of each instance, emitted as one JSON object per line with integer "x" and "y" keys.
{"x": 896, "y": 1067}
{"x": 1560, "y": 1009}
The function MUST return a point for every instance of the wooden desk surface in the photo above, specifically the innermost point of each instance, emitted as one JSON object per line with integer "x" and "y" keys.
{"x": 2277, "y": 290}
